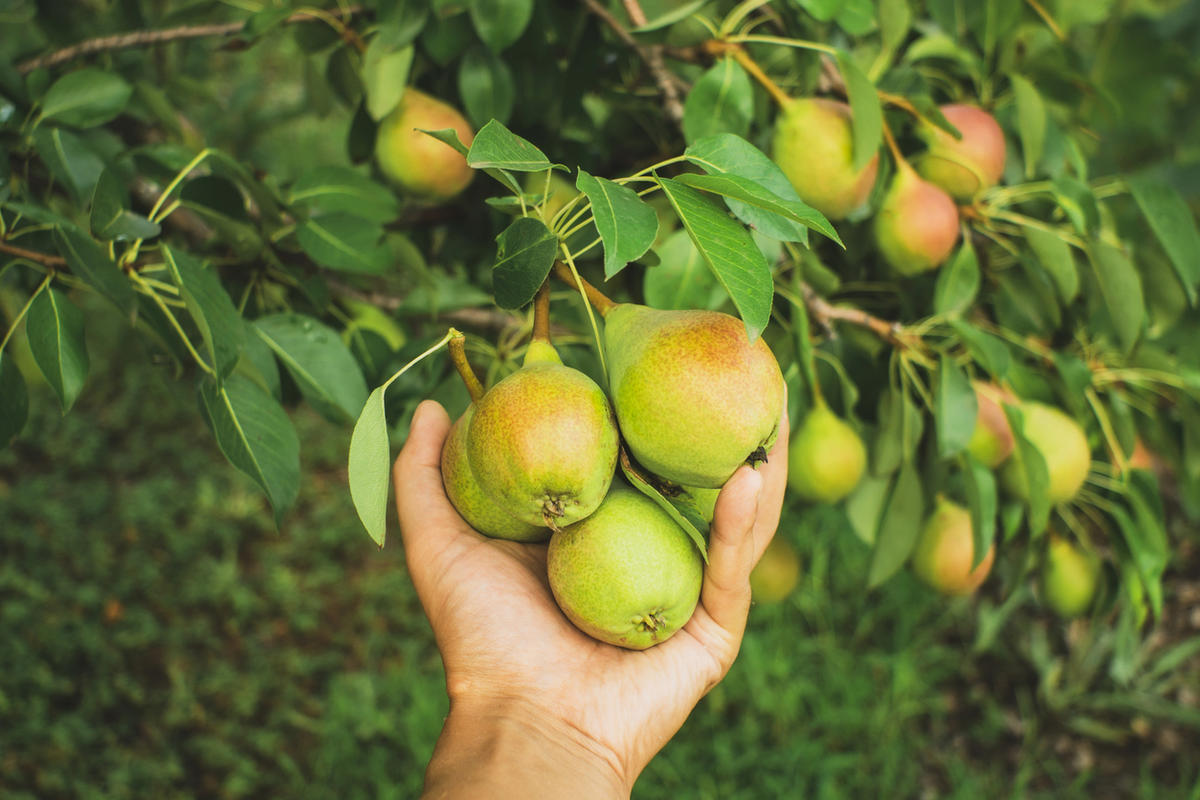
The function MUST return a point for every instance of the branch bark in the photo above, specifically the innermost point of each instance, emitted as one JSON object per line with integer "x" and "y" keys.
{"x": 826, "y": 314}
{"x": 668, "y": 82}
{"x": 45, "y": 259}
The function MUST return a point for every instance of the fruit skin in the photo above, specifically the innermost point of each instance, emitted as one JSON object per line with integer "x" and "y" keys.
{"x": 543, "y": 444}
{"x": 945, "y": 549}
{"x": 992, "y": 440}
{"x": 814, "y": 146}
{"x": 826, "y": 457}
{"x": 1069, "y": 578}
{"x": 415, "y": 161}
{"x": 627, "y": 575}
{"x": 695, "y": 398}
{"x": 479, "y": 510}
{"x": 776, "y": 574}
{"x": 916, "y": 225}
{"x": 964, "y": 167}
{"x": 1063, "y": 444}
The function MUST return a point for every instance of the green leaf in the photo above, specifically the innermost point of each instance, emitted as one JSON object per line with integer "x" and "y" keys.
{"x": 901, "y": 426}
{"x": 400, "y": 21}
{"x": 90, "y": 262}
{"x": 210, "y": 307}
{"x": 1055, "y": 257}
{"x": 385, "y": 76}
{"x": 255, "y": 434}
{"x": 344, "y": 242}
{"x": 721, "y": 101}
{"x": 1121, "y": 288}
{"x": 319, "y": 361}
{"x": 627, "y": 225}
{"x": 988, "y": 351}
{"x": 496, "y": 147}
{"x": 524, "y": 255}
{"x": 643, "y": 485}
{"x": 54, "y": 327}
{"x": 681, "y": 280}
{"x": 486, "y": 86}
{"x": 500, "y": 23}
{"x": 110, "y": 219}
{"x": 955, "y": 407}
{"x": 70, "y": 158}
{"x": 899, "y": 526}
{"x": 894, "y": 20}
{"x": 864, "y": 506}
{"x": 448, "y": 136}
{"x": 957, "y": 282}
{"x": 86, "y": 97}
{"x": 370, "y": 465}
{"x": 671, "y": 16}
{"x": 1078, "y": 202}
{"x": 822, "y": 10}
{"x": 258, "y": 362}
{"x": 1031, "y": 465}
{"x": 730, "y": 253}
{"x": 864, "y": 107}
{"x": 856, "y": 17}
{"x": 1031, "y": 122}
{"x": 751, "y": 193}
{"x": 1172, "y": 222}
{"x": 331, "y": 189}
{"x": 982, "y": 502}
{"x": 14, "y": 400}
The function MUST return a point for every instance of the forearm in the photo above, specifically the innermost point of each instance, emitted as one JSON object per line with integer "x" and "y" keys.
{"x": 506, "y": 749}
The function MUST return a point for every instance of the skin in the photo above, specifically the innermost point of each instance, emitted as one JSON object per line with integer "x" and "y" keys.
{"x": 538, "y": 708}
{"x": 916, "y": 225}
{"x": 826, "y": 459}
{"x": 964, "y": 167}
{"x": 992, "y": 440}
{"x": 944, "y": 552}
{"x": 694, "y": 397}
{"x": 814, "y": 146}
{"x": 1069, "y": 578}
{"x": 416, "y": 162}
{"x": 1063, "y": 445}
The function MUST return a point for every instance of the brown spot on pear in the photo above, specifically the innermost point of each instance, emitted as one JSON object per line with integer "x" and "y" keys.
{"x": 945, "y": 550}
{"x": 964, "y": 167}
{"x": 992, "y": 440}
{"x": 776, "y": 574}
{"x": 416, "y": 162}
{"x": 1063, "y": 445}
{"x": 627, "y": 575}
{"x": 916, "y": 225}
{"x": 814, "y": 146}
{"x": 1069, "y": 578}
{"x": 477, "y": 508}
{"x": 826, "y": 457}
{"x": 695, "y": 398}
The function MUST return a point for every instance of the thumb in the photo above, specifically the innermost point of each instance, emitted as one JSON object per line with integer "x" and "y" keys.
{"x": 732, "y": 552}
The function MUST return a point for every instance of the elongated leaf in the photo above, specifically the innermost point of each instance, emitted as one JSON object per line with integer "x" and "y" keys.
{"x": 865, "y": 108}
{"x": 721, "y": 101}
{"x": 899, "y": 526}
{"x": 344, "y": 242}
{"x": 894, "y": 20}
{"x": 1031, "y": 470}
{"x": 54, "y": 327}
{"x": 671, "y": 16}
{"x": 86, "y": 97}
{"x": 981, "y": 499}
{"x": 385, "y": 75}
{"x": 210, "y": 307}
{"x": 730, "y": 253}
{"x": 1121, "y": 288}
{"x": 369, "y": 466}
{"x": 988, "y": 351}
{"x": 255, "y": 434}
{"x": 1031, "y": 122}
{"x": 900, "y": 429}
{"x": 864, "y": 506}
{"x": 448, "y": 136}
{"x": 318, "y": 360}
{"x": 627, "y": 225}
{"x": 332, "y": 189}
{"x": 681, "y": 280}
{"x": 495, "y": 146}
{"x": 1172, "y": 222}
{"x": 524, "y": 255}
{"x": 70, "y": 158}
{"x": 486, "y": 86}
{"x": 500, "y": 23}
{"x": 955, "y": 408}
{"x": 14, "y": 400}
{"x": 110, "y": 219}
{"x": 89, "y": 262}
{"x": 643, "y": 485}
{"x": 1055, "y": 257}
{"x": 958, "y": 282}
{"x": 258, "y": 363}
{"x": 754, "y": 194}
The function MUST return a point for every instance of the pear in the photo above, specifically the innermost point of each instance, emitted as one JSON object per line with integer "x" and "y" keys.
{"x": 543, "y": 442}
{"x": 627, "y": 575}
{"x": 992, "y": 439}
{"x": 695, "y": 398}
{"x": 945, "y": 550}
{"x": 776, "y": 573}
{"x": 814, "y": 146}
{"x": 826, "y": 457}
{"x": 964, "y": 167}
{"x": 1069, "y": 578}
{"x": 477, "y": 508}
{"x": 1063, "y": 445}
{"x": 415, "y": 161}
{"x": 916, "y": 225}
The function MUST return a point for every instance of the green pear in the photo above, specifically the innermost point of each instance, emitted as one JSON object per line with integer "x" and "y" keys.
{"x": 916, "y": 225}
{"x": 627, "y": 575}
{"x": 695, "y": 398}
{"x": 1069, "y": 578}
{"x": 814, "y": 146}
{"x": 992, "y": 439}
{"x": 1063, "y": 445}
{"x": 776, "y": 573}
{"x": 964, "y": 167}
{"x": 826, "y": 457}
{"x": 415, "y": 161}
{"x": 477, "y": 508}
{"x": 945, "y": 550}
{"x": 543, "y": 442}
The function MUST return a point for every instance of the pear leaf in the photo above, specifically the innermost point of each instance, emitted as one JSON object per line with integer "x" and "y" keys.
{"x": 627, "y": 225}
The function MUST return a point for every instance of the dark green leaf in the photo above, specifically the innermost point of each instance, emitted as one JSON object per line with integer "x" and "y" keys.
{"x": 1031, "y": 470}
{"x": 898, "y": 527}
{"x": 988, "y": 351}
{"x": 486, "y": 86}
{"x": 219, "y": 322}
{"x": 448, "y": 136}
{"x": 1055, "y": 257}
{"x": 14, "y": 400}
{"x": 730, "y": 253}
{"x": 89, "y": 262}
{"x": 344, "y": 242}
{"x": 86, "y": 97}
{"x": 1031, "y": 122}
{"x": 319, "y": 362}
{"x": 524, "y": 255}
{"x": 957, "y": 283}
{"x": 1078, "y": 202}
{"x": 499, "y": 23}
{"x": 110, "y": 219}
{"x": 981, "y": 499}
{"x": 258, "y": 362}
{"x": 671, "y": 16}
{"x": 339, "y": 189}
{"x": 751, "y": 193}
{"x": 1173, "y": 224}
{"x": 865, "y": 108}
{"x": 627, "y": 225}
{"x": 70, "y": 158}
{"x": 496, "y": 147}
{"x": 54, "y": 327}
{"x": 370, "y": 466}
{"x": 1121, "y": 288}
{"x": 721, "y": 101}
{"x": 955, "y": 407}
{"x": 401, "y": 20}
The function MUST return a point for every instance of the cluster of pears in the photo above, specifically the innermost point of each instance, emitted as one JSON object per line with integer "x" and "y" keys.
{"x": 916, "y": 224}
{"x": 534, "y": 458}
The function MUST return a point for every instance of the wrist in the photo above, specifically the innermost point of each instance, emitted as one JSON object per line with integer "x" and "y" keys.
{"x": 503, "y": 747}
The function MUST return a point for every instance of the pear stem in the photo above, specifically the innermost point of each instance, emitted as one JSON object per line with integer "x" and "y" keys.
{"x": 901, "y": 162}
{"x": 599, "y": 300}
{"x": 739, "y": 54}
{"x": 541, "y": 314}
{"x": 458, "y": 355}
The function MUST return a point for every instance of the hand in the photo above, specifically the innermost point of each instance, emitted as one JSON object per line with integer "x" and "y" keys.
{"x": 534, "y": 702}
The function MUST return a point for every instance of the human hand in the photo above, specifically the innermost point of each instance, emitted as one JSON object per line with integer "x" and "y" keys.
{"x": 538, "y": 708}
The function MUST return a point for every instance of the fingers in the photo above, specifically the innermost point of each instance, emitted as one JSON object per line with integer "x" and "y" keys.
{"x": 774, "y": 474}
{"x": 732, "y": 552}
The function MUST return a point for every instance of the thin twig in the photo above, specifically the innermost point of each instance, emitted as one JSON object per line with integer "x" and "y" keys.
{"x": 45, "y": 259}
{"x": 652, "y": 56}
{"x": 827, "y": 314}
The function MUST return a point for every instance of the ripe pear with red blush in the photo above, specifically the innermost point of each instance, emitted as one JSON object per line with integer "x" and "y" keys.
{"x": 945, "y": 551}
{"x": 416, "y": 162}
{"x": 814, "y": 146}
{"x": 992, "y": 440}
{"x": 916, "y": 225}
{"x": 964, "y": 167}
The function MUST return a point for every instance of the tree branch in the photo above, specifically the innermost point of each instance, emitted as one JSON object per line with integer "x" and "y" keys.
{"x": 827, "y": 314}
{"x": 667, "y": 81}
{"x": 45, "y": 259}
